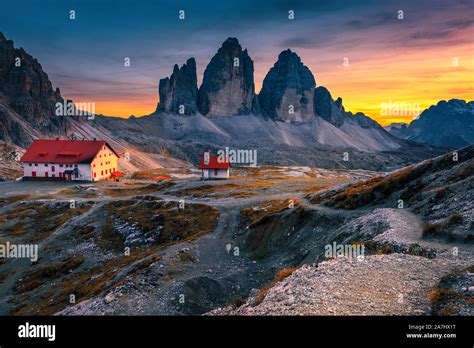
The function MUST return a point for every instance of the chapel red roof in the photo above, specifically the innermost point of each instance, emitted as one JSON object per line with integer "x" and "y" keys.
{"x": 64, "y": 151}
{"x": 214, "y": 163}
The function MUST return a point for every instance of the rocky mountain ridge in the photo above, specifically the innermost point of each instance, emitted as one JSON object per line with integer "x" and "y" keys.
{"x": 448, "y": 123}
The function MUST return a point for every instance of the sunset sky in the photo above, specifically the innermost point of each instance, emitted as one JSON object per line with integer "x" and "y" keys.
{"x": 426, "y": 57}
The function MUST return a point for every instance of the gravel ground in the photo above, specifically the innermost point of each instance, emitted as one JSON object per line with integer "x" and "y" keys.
{"x": 395, "y": 284}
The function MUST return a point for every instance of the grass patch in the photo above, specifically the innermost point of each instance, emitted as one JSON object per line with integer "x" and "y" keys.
{"x": 252, "y": 216}
{"x": 137, "y": 191}
{"x": 41, "y": 275}
{"x": 224, "y": 190}
{"x": 153, "y": 173}
{"x": 40, "y": 219}
{"x": 444, "y": 300}
{"x": 84, "y": 285}
{"x": 13, "y": 199}
{"x": 176, "y": 224}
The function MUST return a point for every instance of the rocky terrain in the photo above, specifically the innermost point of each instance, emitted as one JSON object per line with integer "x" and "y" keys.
{"x": 10, "y": 168}
{"x": 418, "y": 256}
{"x": 448, "y": 123}
{"x": 315, "y": 143}
{"x": 254, "y": 244}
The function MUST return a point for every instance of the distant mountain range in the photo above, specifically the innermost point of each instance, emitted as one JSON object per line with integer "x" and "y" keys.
{"x": 290, "y": 122}
{"x": 448, "y": 123}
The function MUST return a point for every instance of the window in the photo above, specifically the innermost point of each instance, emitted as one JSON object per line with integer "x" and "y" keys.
{"x": 94, "y": 165}
{"x": 30, "y": 164}
{"x": 106, "y": 171}
{"x": 46, "y": 174}
{"x": 101, "y": 172}
{"x": 46, "y": 164}
{"x": 60, "y": 166}
{"x": 215, "y": 171}
{"x": 95, "y": 174}
{"x": 33, "y": 173}
{"x": 52, "y": 168}
{"x": 53, "y": 176}
{"x": 36, "y": 164}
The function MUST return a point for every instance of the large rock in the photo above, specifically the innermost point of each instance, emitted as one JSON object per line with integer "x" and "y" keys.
{"x": 179, "y": 92}
{"x": 27, "y": 98}
{"x": 325, "y": 107}
{"x": 288, "y": 90}
{"x": 228, "y": 87}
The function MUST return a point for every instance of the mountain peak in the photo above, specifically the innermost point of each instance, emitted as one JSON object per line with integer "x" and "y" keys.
{"x": 228, "y": 86}
{"x": 231, "y": 41}
{"x": 289, "y": 54}
{"x": 178, "y": 93}
{"x": 288, "y": 89}
{"x": 448, "y": 123}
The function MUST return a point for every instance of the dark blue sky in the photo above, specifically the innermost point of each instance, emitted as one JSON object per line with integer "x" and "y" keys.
{"x": 84, "y": 57}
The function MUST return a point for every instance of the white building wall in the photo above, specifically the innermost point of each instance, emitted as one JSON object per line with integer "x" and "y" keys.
{"x": 215, "y": 174}
{"x": 103, "y": 165}
{"x": 56, "y": 170}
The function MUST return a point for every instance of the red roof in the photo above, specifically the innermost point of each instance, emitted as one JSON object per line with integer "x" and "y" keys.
{"x": 161, "y": 178}
{"x": 64, "y": 151}
{"x": 214, "y": 163}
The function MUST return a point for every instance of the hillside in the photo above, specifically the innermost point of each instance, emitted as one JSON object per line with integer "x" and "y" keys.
{"x": 448, "y": 123}
{"x": 417, "y": 256}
